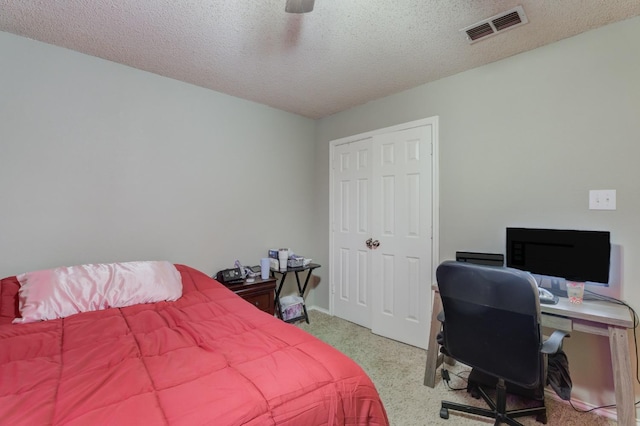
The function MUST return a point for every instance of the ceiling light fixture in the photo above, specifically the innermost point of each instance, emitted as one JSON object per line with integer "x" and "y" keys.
{"x": 299, "y": 6}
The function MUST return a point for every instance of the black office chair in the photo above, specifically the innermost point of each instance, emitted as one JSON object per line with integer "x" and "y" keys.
{"x": 492, "y": 324}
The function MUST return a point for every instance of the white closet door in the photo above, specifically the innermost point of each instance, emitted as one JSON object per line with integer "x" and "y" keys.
{"x": 383, "y": 191}
{"x": 401, "y": 222}
{"x": 351, "y": 263}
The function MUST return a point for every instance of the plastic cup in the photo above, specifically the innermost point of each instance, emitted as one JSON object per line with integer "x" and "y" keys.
{"x": 265, "y": 266}
{"x": 575, "y": 292}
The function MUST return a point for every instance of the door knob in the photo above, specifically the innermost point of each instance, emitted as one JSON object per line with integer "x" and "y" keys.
{"x": 372, "y": 244}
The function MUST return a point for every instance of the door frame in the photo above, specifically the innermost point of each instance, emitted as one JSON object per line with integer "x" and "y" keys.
{"x": 435, "y": 194}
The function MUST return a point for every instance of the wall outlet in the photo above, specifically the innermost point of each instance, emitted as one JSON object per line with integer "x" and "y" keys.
{"x": 602, "y": 199}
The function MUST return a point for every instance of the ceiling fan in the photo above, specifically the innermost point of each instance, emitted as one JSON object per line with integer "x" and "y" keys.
{"x": 299, "y": 6}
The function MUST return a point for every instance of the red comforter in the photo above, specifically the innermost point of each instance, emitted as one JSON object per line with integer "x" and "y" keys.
{"x": 208, "y": 358}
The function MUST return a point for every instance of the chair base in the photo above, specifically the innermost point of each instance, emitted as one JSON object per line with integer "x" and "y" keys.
{"x": 497, "y": 410}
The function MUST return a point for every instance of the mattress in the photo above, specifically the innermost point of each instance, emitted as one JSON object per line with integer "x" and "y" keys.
{"x": 208, "y": 358}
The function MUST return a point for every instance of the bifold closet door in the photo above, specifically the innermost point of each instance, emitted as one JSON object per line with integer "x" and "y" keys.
{"x": 401, "y": 223}
{"x": 382, "y": 232}
{"x": 351, "y": 263}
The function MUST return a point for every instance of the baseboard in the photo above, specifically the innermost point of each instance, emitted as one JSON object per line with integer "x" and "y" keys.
{"x": 609, "y": 413}
{"x": 318, "y": 308}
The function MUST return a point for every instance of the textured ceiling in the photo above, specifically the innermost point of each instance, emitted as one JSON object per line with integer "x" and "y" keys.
{"x": 344, "y": 53}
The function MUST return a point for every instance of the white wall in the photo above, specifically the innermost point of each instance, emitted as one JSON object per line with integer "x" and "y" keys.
{"x": 522, "y": 141}
{"x": 100, "y": 162}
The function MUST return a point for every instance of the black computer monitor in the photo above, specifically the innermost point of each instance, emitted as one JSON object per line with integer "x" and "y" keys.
{"x": 570, "y": 254}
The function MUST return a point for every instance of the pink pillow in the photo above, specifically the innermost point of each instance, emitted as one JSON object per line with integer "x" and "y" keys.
{"x": 64, "y": 291}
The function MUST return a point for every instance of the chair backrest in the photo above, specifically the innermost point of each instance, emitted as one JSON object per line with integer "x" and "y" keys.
{"x": 492, "y": 320}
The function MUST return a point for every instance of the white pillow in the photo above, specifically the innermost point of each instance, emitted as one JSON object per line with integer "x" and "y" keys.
{"x": 64, "y": 291}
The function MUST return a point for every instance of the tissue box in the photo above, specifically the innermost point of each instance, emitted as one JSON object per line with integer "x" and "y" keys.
{"x": 292, "y": 307}
{"x": 295, "y": 261}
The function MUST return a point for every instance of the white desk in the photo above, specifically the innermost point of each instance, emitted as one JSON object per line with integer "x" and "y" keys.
{"x": 594, "y": 317}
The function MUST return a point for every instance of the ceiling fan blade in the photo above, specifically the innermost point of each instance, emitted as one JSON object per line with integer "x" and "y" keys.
{"x": 299, "y": 6}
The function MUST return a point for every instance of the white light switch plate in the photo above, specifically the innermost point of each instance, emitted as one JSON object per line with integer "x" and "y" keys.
{"x": 602, "y": 199}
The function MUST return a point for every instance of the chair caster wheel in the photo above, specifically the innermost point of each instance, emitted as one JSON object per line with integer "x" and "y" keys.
{"x": 542, "y": 418}
{"x": 475, "y": 393}
{"x": 444, "y": 413}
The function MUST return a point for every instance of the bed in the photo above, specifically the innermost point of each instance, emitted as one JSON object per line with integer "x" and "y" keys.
{"x": 208, "y": 357}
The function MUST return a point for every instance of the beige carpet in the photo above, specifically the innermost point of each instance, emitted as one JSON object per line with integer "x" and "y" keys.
{"x": 398, "y": 372}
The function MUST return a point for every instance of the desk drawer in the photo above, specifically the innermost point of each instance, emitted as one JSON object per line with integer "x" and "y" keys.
{"x": 259, "y": 293}
{"x": 556, "y": 322}
{"x": 264, "y": 302}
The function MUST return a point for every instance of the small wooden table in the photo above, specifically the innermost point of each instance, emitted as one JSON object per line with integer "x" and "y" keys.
{"x": 595, "y": 317}
{"x": 259, "y": 293}
{"x": 301, "y": 288}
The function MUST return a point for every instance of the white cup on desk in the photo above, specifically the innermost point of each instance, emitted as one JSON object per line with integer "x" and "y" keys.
{"x": 265, "y": 266}
{"x": 283, "y": 256}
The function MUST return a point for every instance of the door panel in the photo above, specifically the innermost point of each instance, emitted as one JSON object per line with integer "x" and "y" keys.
{"x": 388, "y": 284}
{"x": 401, "y": 220}
{"x": 351, "y": 228}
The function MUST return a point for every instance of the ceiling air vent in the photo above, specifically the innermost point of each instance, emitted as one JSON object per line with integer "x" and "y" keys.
{"x": 491, "y": 26}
